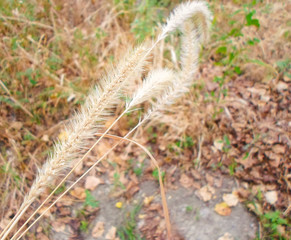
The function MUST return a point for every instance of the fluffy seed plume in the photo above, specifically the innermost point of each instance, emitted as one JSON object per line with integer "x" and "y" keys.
{"x": 193, "y": 18}
{"x": 154, "y": 85}
{"x": 184, "y": 12}
{"x": 84, "y": 124}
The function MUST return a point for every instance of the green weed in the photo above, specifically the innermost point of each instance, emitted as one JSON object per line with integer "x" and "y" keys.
{"x": 117, "y": 183}
{"x": 272, "y": 222}
{"x": 128, "y": 230}
{"x": 155, "y": 174}
{"x": 90, "y": 200}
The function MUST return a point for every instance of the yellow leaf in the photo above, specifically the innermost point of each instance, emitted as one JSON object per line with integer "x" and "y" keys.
{"x": 118, "y": 205}
{"x": 148, "y": 200}
{"x": 222, "y": 209}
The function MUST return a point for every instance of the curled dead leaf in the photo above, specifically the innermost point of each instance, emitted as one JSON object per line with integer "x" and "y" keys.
{"x": 230, "y": 199}
{"x": 186, "y": 181}
{"x": 222, "y": 209}
{"x": 98, "y": 230}
{"x": 205, "y": 193}
{"x": 111, "y": 234}
{"x": 92, "y": 182}
{"x": 148, "y": 200}
{"x": 226, "y": 236}
{"x": 58, "y": 226}
{"x": 79, "y": 193}
{"x": 271, "y": 197}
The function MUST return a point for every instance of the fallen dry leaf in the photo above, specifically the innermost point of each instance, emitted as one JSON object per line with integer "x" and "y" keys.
{"x": 98, "y": 230}
{"x": 230, "y": 199}
{"x": 111, "y": 234}
{"x": 79, "y": 169}
{"x": 205, "y": 193}
{"x": 209, "y": 179}
{"x": 222, "y": 209}
{"x": 256, "y": 208}
{"x": 16, "y": 125}
{"x": 218, "y": 144}
{"x": 79, "y": 193}
{"x": 282, "y": 86}
{"x": 186, "y": 181}
{"x": 92, "y": 182}
{"x": 58, "y": 226}
{"x": 148, "y": 200}
{"x": 42, "y": 236}
{"x": 271, "y": 197}
{"x": 279, "y": 149}
{"x": 226, "y": 236}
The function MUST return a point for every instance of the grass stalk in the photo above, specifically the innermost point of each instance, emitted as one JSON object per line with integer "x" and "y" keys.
{"x": 85, "y": 123}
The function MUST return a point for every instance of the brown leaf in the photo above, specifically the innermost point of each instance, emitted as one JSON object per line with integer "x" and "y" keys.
{"x": 205, "y": 193}
{"x": 79, "y": 193}
{"x": 271, "y": 197}
{"x": 79, "y": 169}
{"x": 111, "y": 234}
{"x": 92, "y": 182}
{"x": 209, "y": 179}
{"x": 186, "y": 181}
{"x": 222, "y": 209}
{"x": 42, "y": 236}
{"x": 148, "y": 200}
{"x": 279, "y": 149}
{"x": 230, "y": 199}
{"x": 58, "y": 226}
{"x": 226, "y": 236}
{"x": 16, "y": 125}
{"x": 98, "y": 230}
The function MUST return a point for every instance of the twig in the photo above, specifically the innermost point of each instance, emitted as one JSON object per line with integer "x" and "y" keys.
{"x": 26, "y": 21}
{"x": 15, "y": 100}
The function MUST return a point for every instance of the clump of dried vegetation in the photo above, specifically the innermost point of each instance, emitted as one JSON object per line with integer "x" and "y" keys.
{"x": 235, "y": 119}
{"x": 163, "y": 85}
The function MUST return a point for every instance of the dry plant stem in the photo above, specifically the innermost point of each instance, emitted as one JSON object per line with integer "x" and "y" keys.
{"x": 81, "y": 129}
{"x": 66, "y": 177}
{"x": 163, "y": 195}
{"x": 26, "y": 21}
{"x": 14, "y": 219}
{"x": 15, "y": 101}
{"x": 183, "y": 13}
{"x": 17, "y": 219}
{"x": 85, "y": 155}
{"x": 84, "y": 174}
{"x": 151, "y": 86}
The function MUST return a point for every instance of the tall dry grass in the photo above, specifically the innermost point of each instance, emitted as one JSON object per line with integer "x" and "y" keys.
{"x": 163, "y": 85}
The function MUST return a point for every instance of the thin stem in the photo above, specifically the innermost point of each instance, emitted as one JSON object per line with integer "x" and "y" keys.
{"x": 71, "y": 171}
{"x": 13, "y": 223}
{"x": 15, "y": 100}
{"x": 80, "y": 178}
{"x": 163, "y": 195}
{"x": 84, "y": 156}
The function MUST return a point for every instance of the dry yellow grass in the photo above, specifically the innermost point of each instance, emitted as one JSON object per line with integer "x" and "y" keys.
{"x": 52, "y": 54}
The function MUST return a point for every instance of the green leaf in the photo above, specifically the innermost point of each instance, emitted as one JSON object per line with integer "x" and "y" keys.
{"x": 156, "y": 174}
{"x": 237, "y": 70}
{"x": 251, "y": 21}
{"x": 259, "y": 62}
{"x": 235, "y": 32}
{"x": 226, "y": 140}
{"x": 221, "y": 50}
{"x": 284, "y": 65}
{"x": 90, "y": 200}
{"x": 84, "y": 226}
